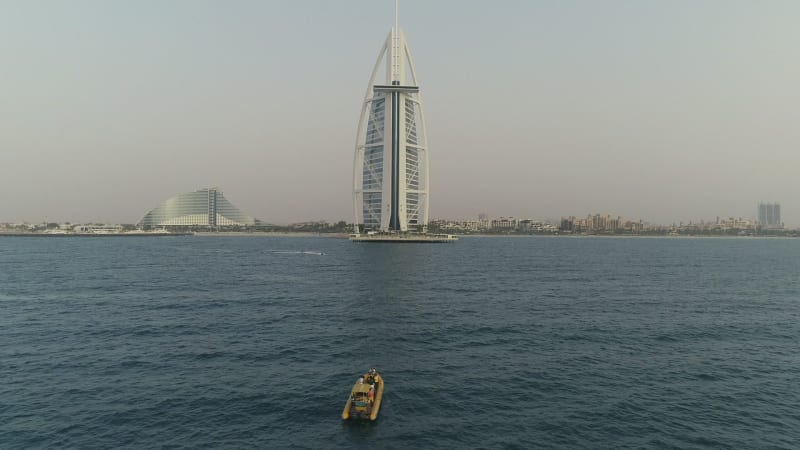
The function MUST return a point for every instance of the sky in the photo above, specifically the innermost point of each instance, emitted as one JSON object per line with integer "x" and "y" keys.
{"x": 663, "y": 111}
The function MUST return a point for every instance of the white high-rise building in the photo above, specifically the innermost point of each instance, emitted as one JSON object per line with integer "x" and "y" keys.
{"x": 391, "y": 169}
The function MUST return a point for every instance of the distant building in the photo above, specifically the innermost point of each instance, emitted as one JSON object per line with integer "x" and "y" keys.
{"x": 769, "y": 215}
{"x": 536, "y": 226}
{"x": 202, "y": 208}
{"x": 733, "y": 223}
{"x": 97, "y": 229}
{"x": 567, "y": 224}
{"x": 505, "y": 224}
{"x": 457, "y": 226}
{"x": 603, "y": 222}
{"x": 390, "y": 182}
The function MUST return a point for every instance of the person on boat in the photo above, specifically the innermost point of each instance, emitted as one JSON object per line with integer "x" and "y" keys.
{"x": 371, "y": 393}
{"x": 361, "y": 380}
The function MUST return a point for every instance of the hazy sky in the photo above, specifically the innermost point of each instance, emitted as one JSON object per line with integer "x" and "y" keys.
{"x": 666, "y": 111}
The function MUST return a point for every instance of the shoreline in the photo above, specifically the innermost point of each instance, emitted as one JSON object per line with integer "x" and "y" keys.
{"x": 84, "y": 235}
{"x": 624, "y": 236}
{"x": 200, "y": 234}
{"x": 346, "y": 235}
{"x": 272, "y": 234}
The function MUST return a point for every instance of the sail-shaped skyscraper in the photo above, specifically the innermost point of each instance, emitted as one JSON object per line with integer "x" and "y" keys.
{"x": 391, "y": 169}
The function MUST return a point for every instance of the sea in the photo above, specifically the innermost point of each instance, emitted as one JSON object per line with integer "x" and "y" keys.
{"x": 490, "y": 342}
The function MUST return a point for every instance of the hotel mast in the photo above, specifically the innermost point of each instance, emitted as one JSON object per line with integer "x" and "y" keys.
{"x": 391, "y": 169}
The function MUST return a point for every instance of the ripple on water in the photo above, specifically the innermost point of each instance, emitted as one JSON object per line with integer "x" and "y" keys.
{"x": 487, "y": 343}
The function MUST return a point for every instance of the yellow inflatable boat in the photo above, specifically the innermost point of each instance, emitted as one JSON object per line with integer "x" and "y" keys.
{"x": 365, "y": 397}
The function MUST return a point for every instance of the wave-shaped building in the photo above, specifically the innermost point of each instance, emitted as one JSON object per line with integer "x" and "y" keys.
{"x": 201, "y": 208}
{"x": 391, "y": 169}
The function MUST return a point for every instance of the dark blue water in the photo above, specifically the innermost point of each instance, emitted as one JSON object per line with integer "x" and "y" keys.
{"x": 243, "y": 342}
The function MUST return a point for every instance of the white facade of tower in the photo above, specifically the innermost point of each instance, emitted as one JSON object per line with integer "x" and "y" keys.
{"x": 391, "y": 166}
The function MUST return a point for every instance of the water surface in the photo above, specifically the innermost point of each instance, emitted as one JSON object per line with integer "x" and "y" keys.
{"x": 254, "y": 342}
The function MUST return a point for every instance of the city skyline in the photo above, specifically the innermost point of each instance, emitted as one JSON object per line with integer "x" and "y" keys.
{"x": 193, "y": 209}
{"x": 666, "y": 111}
